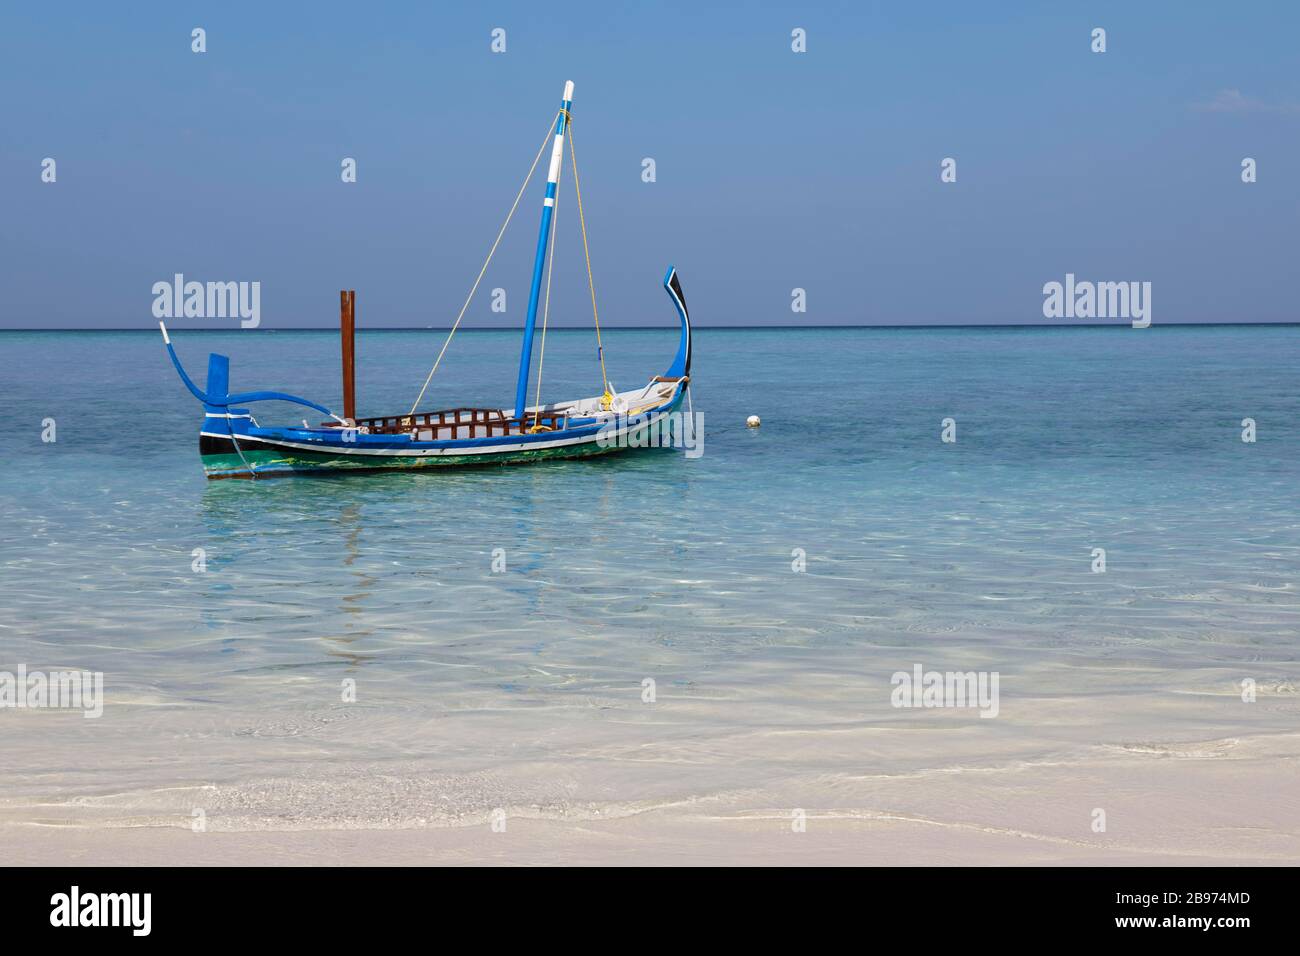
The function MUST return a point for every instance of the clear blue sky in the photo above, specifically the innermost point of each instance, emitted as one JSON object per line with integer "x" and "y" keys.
{"x": 775, "y": 170}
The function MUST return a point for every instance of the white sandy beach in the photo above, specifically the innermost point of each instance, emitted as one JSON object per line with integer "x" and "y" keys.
{"x": 1022, "y": 789}
{"x": 1177, "y": 811}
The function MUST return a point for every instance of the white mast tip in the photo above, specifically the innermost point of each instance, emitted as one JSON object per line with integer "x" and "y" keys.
{"x": 568, "y": 90}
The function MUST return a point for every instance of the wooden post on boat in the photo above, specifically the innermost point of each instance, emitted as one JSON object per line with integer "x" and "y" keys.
{"x": 347, "y": 330}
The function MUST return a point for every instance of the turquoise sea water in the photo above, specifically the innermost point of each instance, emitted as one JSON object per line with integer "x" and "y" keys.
{"x": 524, "y": 689}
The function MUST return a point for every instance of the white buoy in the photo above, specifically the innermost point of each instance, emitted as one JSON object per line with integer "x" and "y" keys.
{"x": 753, "y": 421}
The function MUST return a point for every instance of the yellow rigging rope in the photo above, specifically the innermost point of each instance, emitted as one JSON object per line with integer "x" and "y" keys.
{"x": 482, "y": 271}
{"x": 608, "y": 398}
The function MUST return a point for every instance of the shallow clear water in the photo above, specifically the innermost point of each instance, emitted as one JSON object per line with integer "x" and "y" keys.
{"x": 523, "y": 689}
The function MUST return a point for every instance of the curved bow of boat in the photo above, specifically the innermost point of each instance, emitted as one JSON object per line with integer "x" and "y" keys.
{"x": 681, "y": 367}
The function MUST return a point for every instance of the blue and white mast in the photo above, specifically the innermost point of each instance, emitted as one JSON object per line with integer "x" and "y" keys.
{"x": 543, "y": 238}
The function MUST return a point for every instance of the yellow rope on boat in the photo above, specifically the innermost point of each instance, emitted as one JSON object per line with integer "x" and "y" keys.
{"x": 546, "y": 310}
{"x": 608, "y": 398}
{"x": 482, "y": 271}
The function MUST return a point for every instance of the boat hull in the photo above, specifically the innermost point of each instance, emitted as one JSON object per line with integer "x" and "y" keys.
{"x": 221, "y": 459}
{"x": 248, "y": 454}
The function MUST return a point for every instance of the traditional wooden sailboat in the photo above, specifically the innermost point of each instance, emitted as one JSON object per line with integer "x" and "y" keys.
{"x": 233, "y": 444}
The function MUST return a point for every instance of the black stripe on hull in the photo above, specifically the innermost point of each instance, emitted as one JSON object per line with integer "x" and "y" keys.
{"x": 211, "y": 445}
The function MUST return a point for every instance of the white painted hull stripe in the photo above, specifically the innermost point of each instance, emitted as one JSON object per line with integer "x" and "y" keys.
{"x": 432, "y": 452}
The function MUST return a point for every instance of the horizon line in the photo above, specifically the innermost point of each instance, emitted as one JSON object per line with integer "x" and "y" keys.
{"x": 666, "y": 328}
